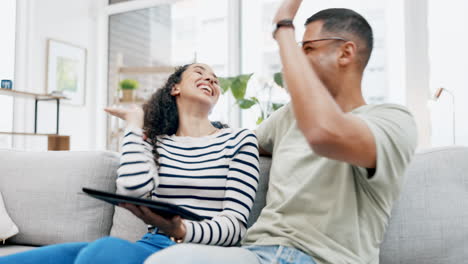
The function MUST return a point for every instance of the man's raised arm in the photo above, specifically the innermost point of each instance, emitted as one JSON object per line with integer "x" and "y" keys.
{"x": 330, "y": 131}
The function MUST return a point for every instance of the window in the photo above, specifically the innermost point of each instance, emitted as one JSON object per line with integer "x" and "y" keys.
{"x": 168, "y": 35}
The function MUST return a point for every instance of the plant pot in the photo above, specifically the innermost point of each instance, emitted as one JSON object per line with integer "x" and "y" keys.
{"x": 128, "y": 96}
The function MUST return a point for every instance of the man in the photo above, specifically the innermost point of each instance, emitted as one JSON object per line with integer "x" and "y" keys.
{"x": 338, "y": 163}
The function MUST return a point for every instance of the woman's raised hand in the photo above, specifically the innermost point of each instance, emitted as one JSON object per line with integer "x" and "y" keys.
{"x": 133, "y": 115}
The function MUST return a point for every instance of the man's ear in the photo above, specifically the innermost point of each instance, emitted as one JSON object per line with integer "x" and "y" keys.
{"x": 175, "y": 90}
{"x": 348, "y": 53}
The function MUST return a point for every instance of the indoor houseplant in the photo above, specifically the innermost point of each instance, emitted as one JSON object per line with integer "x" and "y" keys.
{"x": 128, "y": 86}
{"x": 238, "y": 87}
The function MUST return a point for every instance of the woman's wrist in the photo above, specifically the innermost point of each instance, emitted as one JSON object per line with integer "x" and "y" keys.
{"x": 179, "y": 235}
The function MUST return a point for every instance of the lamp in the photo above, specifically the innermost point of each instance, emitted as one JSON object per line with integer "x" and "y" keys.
{"x": 436, "y": 97}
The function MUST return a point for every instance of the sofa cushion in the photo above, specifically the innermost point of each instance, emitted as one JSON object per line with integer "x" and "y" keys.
{"x": 12, "y": 249}
{"x": 7, "y": 226}
{"x": 429, "y": 223}
{"x": 42, "y": 193}
{"x": 127, "y": 226}
{"x": 262, "y": 189}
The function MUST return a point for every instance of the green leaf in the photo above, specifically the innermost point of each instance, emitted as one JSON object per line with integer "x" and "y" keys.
{"x": 239, "y": 86}
{"x": 259, "y": 120}
{"x": 255, "y": 99}
{"x": 276, "y": 106}
{"x": 225, "y": 84}
{"x": 128, "y": 84}
{"x": 278, "y": 77}
{"x": 245, "y": 103}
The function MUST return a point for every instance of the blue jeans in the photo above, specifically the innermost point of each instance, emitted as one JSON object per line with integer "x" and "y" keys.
{"x": 201, "y": 254}
{"x": 104, "y": 250}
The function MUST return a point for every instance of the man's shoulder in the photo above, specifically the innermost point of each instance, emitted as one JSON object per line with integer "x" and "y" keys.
{"x": 391, "y": 120}
{"x": 395, "y": 112}
{"x": 278, "y": 116}
{"x": 382, "y": 108}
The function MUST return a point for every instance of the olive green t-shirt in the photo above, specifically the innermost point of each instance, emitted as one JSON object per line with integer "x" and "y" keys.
{"x": 332, "y": 210}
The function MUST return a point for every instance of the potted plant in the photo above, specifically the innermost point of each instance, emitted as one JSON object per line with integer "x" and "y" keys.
{"x": 128, "y": 86}
{"x": 238, "y": 87}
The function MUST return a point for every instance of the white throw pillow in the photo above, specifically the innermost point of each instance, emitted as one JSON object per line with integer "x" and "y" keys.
{"x": 7, "y": 227}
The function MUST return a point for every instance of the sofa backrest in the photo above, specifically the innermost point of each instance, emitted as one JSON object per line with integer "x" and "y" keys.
{"x": 41, "y": 194}
{"x": 429, "y": 224}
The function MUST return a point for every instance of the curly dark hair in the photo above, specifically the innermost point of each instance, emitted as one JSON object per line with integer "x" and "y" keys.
{"x": 161, "y": 116}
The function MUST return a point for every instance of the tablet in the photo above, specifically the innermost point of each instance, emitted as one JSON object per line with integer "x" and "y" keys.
{"x": 160, "y": 208}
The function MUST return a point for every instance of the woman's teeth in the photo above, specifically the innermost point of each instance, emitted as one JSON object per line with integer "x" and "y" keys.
{"x": 206, "y": 88}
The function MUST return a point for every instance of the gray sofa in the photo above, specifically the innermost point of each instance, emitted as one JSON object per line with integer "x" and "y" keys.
{"x": 42, "y": 193}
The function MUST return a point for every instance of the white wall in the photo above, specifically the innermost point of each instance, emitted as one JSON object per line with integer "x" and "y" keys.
{"x": 448, "y": 37}
{"x": 69, "y": 21}
{"x": 417, "y": 67}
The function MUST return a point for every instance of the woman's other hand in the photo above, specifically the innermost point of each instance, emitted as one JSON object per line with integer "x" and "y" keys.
{"x": 173, "y": 227}
{"x": 134, "y": 115}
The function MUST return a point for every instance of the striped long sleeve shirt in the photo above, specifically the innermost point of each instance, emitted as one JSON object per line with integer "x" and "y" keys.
{"x": 215, "y": 176}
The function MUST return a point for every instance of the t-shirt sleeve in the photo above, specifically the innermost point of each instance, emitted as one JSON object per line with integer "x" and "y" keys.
{"x": 267, "y": 130}
{"x": 394, "y": 131}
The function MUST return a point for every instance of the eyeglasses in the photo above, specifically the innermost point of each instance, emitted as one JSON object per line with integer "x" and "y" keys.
{"x": 302, "y": 43}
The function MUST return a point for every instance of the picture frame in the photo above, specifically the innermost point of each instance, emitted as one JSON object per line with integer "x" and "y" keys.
{"x": 66, "y": 71}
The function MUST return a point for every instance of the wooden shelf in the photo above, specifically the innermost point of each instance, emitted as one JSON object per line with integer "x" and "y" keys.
{"x": 146, "y": 70}
{"x": 16, "y": 93}
{"x": 137, "y": 101}
{"x": 55, "y": 142}
{"x": 26, "y": 134}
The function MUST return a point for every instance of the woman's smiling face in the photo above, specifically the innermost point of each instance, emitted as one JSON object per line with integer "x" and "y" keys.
{"x": 200, "y": 84}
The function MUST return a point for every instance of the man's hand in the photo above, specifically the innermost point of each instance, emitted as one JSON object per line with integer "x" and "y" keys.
{"x": 287, "y": 10}
{"x": 173, "y": 227}
{"x": 133, "y": 115}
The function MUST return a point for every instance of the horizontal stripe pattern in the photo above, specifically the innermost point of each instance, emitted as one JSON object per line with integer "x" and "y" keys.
{"x": 214, "y": 176}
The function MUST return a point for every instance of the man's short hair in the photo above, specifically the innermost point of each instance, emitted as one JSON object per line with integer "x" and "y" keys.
{"x": 342, "y": 20}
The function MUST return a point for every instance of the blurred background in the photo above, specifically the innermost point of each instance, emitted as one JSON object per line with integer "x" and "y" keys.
{"x": 419, "y": 48}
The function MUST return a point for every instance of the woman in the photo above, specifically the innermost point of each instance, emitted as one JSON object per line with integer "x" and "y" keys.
{"x": 171, "y": 152}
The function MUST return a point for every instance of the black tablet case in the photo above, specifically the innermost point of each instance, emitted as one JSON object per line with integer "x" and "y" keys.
{"x": 161, "y": 208}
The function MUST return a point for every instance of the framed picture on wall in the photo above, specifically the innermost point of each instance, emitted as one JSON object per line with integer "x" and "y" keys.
{"x": 66, "y": 71}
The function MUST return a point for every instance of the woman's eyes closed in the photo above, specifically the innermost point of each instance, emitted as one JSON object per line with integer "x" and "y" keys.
{"x": 201, "y": 73}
